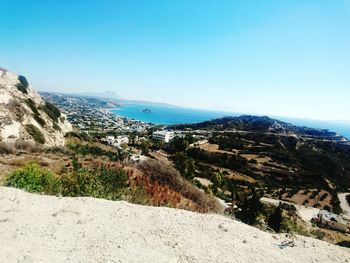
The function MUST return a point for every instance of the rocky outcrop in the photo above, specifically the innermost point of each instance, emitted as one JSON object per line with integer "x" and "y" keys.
{"x": 25, "y": 116}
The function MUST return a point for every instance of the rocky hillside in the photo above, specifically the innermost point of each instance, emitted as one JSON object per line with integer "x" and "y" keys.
{"x": 264, "y": 124}
{"x": 38, "y": 228}
{"x": 25, "y": 117}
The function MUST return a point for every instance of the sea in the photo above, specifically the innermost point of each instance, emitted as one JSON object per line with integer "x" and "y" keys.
{"x": 167, "y": 114}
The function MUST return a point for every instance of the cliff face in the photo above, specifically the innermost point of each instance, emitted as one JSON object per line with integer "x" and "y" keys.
{"x": 25, "y": 116}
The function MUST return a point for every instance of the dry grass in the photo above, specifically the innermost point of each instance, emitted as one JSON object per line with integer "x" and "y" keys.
{"x": 256, "y": 157}
{"x": 168, "y": 176}
{"x": 214, "y": 148}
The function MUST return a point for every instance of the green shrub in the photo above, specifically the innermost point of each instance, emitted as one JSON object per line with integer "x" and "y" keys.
{"x": 21, "y": 88}
{"x": 56, "y": 126}
{"x": 100, "y": 182}
{"x": 32, "y": 106}
{"x": 33, "y": 178}
{"x": 96, "y": 182}
{"x": 22, "y": 85}
{"x": 23, "y": 81}
{"x": 85, "y": 149}
{"x": 288, "y": 225}
{"x": 52, "y": 111}
{"x": 37, "y": 135}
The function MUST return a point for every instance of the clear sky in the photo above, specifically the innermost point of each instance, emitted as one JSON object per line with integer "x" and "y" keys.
{"x": 282, "y": 57}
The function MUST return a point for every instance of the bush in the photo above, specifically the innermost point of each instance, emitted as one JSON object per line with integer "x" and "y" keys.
{"x": 100, "y": 182}
{"x": 167, "y": 175}
{"x": 56, "y": 126}
{"x": 24, "y": 82}
{"x": 35, "y": 111}
{"x": 85, "y": 149}
{"x": 289, "y": 226}
{"x": 22, "y": 89}
{"x": 27, "y": 146}
{"x": 33, "y": 178}
{"x": 251, "y": 208}
{"x": 52, "y": 111}
{"x": 37, "y": 135}
{"x": 345, "y": 243}
{"x": 22, "y": 85}
{"x": 7, "y": 148}
{"x": 275, "y": 219}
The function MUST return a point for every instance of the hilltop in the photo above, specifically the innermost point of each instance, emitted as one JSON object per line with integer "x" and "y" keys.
{"x": 25, "y": 118}
{"x": 263, "y": 124}
{"x": 95, "y": 230}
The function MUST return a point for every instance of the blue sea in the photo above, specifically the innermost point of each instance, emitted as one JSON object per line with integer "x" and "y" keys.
{"x": 167, "y": 114}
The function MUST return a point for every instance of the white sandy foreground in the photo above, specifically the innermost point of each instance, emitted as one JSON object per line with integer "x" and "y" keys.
{"x": 37, "y": 228}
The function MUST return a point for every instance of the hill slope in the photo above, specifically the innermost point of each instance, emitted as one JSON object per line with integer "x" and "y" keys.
{"x": 24, "y": 116}
{"x": 37, "y": 228}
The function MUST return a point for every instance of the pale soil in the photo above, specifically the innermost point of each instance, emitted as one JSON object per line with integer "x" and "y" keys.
{"x": 344, "y": 204}
{"x": 256, "y": 157}
{"x": 35, "y": 228}
{"x": 204, "y": 181}
{"x": 214, "y": 148}
{"x": 161, "y": 157}
{"x": 300, "y": 197}
{"x": 10, "y": 162}
{"x": 232, "y": 174}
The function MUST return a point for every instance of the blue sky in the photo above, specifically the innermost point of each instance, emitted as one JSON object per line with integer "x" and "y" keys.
{"x": 284, "y": 58}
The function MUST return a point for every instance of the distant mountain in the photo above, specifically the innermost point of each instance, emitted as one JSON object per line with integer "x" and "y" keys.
{"x": 104, "y": 94}
{"x": 25, "y": 117}
{"x": 66, "y": 99}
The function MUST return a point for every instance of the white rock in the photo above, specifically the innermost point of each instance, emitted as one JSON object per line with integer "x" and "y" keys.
{"x": 15, "y": 114}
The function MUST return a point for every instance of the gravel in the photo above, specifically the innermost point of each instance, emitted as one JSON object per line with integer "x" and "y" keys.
{"x": 38, "y": 228}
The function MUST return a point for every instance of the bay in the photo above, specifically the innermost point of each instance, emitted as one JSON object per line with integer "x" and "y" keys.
{"x": 168, "y": 115}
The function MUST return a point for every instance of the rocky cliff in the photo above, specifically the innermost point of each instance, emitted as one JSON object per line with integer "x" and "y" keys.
{"x": 25, "y": 116}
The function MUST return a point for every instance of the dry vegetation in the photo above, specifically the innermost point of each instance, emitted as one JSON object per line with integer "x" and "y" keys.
{"x": 152, "y": 183}
{"x": 166, "y": 175}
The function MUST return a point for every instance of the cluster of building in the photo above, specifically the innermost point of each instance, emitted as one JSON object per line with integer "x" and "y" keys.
{"x": 117, "y": 141}
{"x": 332, "y": 221}
{"x": 93, "y": 114}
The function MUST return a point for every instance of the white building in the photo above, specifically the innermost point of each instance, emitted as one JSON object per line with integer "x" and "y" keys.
{"x": 165, "y": 136}
{"x": 119, "y": 141}
{"x": 332, "y": 221}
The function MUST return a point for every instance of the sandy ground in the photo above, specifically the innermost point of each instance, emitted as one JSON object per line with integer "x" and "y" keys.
{"x": 344, "y": 204}
{"x": 36, "y": 228}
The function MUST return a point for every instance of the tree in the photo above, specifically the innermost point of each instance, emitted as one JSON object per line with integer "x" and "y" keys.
{"x": 250, "y": 208}
{"x": 275, "y": 219}
{"x": 216, "y": 178}
{"x": 144, "y": 147}
{"x": 185, "y": 165}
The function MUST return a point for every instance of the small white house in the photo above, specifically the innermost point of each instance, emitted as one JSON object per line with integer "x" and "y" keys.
{"x": 119, "y": 141}
{"x": 165, "y": 136}
{"x": 332, "y": 221}
{"x": 110, "y": 139}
